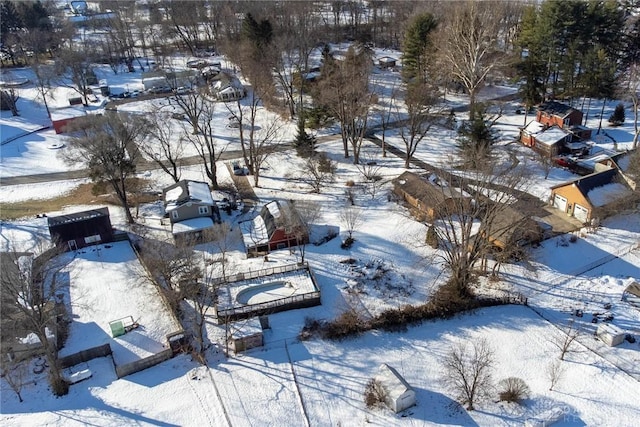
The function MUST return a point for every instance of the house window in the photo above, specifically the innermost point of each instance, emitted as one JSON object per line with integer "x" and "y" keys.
{"x": 174, "y": 214}
{"x": 92, "y": 239}
{"x": 203, "y": 210}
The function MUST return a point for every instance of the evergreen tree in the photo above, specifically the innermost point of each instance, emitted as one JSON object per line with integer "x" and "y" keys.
{"x": 10, "y": 20}
{"x": 475, "y": 138}
{"x": 259, "y": 33}
{"x": 304, "y": 143}
{"x": 618, "y": 116}
{"x": 417, "y": 45}
{"x": 35, "y": 16}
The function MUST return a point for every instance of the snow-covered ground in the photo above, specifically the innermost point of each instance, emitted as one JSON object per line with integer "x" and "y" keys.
{"x": 289, "y": 382}
{"x": 108, "y": 283}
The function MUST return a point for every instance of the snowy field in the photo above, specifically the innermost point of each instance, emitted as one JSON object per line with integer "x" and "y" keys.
{"x": 324, "y": 382}
{"x": 321, "y": 383}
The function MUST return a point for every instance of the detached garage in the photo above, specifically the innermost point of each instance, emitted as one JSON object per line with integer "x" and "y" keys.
{"x": 80, "y": 229}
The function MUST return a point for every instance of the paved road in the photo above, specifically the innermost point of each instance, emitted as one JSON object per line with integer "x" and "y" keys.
{"x": 147, "y": 165}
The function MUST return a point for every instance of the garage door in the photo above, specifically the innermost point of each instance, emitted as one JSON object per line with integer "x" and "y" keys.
{"x": 580, "y": 213}
{"x": 560, "y": 203}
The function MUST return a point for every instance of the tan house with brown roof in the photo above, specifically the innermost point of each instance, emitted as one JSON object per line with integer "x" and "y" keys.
{"x": 429, "y": 196}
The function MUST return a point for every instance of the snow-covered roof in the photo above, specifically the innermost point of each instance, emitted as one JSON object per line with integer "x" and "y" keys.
{"x": 200, "y": 191}
{"x": 274, "y": 209}
{"x": 187, "y": 191}
{"x": 254, "y": 232}
{"x": 575, "y": 145}
{"x": 392, "y": 382}
{"x": 173, "y": 195}
{"x": 590, "y": 162}
{"x": 68, "y": 113}
{"x": 246, "y": 328}
{"x": 551, "y": 136}
{"x": 601, "y": 196}
{"x": 534, "y": 127}
{"x": 193, "y": 224}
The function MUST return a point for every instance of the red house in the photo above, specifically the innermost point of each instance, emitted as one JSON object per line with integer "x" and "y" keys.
{"x": 278, "y": 226}
{"x": 555, "y": 113}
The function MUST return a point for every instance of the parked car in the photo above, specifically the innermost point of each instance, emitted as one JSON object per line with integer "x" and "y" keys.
{"x": 160, "y": 89}
{"x": 564, "y": 162}
{"x": 238, "y": 169}
{"x": 182, "y": 90}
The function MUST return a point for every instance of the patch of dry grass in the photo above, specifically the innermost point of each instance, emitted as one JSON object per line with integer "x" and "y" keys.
{"x": 82, "y": 195}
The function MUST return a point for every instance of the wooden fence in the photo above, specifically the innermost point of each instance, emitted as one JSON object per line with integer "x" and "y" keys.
{"x": 85, "y": 355}
{"x": 141, "y": 364}
{"x": 289, "y": 303}
{"x": 260, "y": 273}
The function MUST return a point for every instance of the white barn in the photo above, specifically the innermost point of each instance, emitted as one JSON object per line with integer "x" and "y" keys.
{"x": 398, "y": 393}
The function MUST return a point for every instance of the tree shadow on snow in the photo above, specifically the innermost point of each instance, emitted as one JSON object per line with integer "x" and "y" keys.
{"x": 434, "y": 407}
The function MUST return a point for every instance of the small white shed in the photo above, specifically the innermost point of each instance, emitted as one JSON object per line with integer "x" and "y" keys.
{"x": 610, "y": 334}
{"x": 398, "y": 393}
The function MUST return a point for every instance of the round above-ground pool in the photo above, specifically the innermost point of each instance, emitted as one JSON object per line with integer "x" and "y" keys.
{"x": 271, "y": 291}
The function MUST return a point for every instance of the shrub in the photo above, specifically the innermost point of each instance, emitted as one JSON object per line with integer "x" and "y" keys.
{"x": 513, "y": 389}
{"x": 432, "y": 237}
{"x": 311, "y": 327}
{"x": 347, "y": 324}
{"x": 325, "y": 164}
{"x": 374, "y": 394}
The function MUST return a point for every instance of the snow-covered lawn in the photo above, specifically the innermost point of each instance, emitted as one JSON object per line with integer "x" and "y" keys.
{"x": 107, "y": 283}
{"x": 279, "y": 384}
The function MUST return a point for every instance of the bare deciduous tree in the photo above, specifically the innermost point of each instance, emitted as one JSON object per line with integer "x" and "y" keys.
{"x": 258, "y": 141}
{"x": 107, "y": 145}
{"x": 199, "y": 112}
{"x": 555, "y": 371}
{"x": 170, "y": 266}
{"x": 308, "y": 212}
{"x": 420, "y": 100}
{"x": 344, "y": 90}
{"x": 14, "y": 373}
{"x": 30, "y": 287}
{"x": 221, "y": 236}
{"x": 467, "y": 370}
{"x": 163, "y": 146}
{"x": 370, "y": 171}
{"x": 633, "y": 94}
{"x": 469, "y": 44}
{"x": 352, "y": 218}
{"x": 75, "y": 69}
{"x": 567, "y": 338}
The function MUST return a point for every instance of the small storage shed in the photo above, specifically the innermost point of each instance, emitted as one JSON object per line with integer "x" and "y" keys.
{"x": 386, "y": 62}
{"x": 246, "y": 334}
{"x": 398, "y": 393}
{"x": 80, "y": 229}
{"x": 610, "y": 334}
